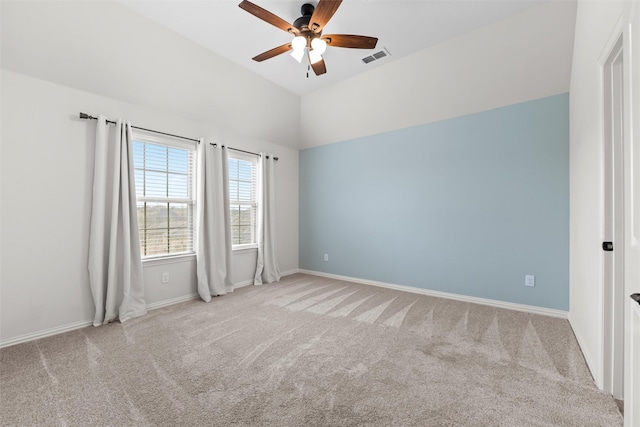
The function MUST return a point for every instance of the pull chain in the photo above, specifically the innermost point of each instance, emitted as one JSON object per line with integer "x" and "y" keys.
{"x": 308, "y": 68}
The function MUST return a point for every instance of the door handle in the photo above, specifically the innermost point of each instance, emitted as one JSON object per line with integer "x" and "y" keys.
{"x": 607, "y": 246}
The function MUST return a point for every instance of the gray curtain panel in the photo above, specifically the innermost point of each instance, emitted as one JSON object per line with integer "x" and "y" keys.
{"x": 115, "y": 266}
{"x": 213, "y": 253}
{"x": 267, "y": 269}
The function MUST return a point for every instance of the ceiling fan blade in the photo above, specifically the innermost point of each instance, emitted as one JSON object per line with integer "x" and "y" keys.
{"x": 268, "y": 17}
{"x": 322, "y": 13}
{"x": 273, "y": 52}
{"x": 350, "y": 41}
{"x": 319, "y": 68}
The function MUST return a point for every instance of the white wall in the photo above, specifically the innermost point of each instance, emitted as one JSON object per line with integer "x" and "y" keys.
{"x": 525, "y": 57}
{"x": 595, "y": 25}
{"x": 105, "y": 48}
{"x": 46, "y": 175}
{"x": 60, "y": 58}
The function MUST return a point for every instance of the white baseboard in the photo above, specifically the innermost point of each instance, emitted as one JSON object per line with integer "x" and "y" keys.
{"x": 494, "y": 303}
{"x": 475, "y": 300}
{"x": 594, "y": 368}
{"x": 242, "y": 284}
{"x": 289, "y": 272}
{"x": 172, "y": 301}
{"x": 45, "y": 333}
{"x": 84, "y": 323}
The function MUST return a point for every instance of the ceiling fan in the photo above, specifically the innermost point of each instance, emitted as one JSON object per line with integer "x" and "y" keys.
{"x": 307, "y": 32}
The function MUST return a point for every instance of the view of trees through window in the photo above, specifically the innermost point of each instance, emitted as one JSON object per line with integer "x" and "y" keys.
{"x": 165, "y": 198}
{"x": 164, "y": 228}
{"x": 243, "y": 203}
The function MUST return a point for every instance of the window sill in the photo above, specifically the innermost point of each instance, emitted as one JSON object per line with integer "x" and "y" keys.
{"x": 244, "y": 249}
{"x": 150, "y": 262}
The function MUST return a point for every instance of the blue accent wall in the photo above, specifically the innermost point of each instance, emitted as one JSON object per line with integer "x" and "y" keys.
{"x": 467, "y": 205}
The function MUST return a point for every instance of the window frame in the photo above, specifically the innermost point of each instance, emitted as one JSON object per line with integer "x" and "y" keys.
{"x": 255, "y": 202}
{"x": 191, "y": 201}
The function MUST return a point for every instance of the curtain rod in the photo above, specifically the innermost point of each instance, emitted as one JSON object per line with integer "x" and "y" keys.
{"x": 242, "y": 151}
{"x": 89, "y": 117}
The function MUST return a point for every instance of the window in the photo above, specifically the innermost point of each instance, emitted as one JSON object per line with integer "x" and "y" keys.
{"x": 243, "y": 199}
{"x": 165, "y": 193}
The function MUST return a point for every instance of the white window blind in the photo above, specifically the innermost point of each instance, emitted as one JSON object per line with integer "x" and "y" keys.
{"x": 243, "y": 175}
{"x": 165, "y": 193}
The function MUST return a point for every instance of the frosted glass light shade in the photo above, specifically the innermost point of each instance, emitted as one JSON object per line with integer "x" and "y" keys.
{"x": 319, "y": 45}
{"x": 299, "y": 43}
{"x": 298, "y": 54}
{"x": 314, "y": 56}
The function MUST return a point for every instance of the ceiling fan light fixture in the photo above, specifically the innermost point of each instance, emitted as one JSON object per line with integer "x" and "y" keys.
{"x": 319, "y": 45}
{"x": 298, "y": 54}
{"x": 314, "y": 56}
{"x": 299, "y": 43}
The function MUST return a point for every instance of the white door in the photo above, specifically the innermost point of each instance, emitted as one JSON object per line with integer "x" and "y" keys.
{"x": 632, "y": 218}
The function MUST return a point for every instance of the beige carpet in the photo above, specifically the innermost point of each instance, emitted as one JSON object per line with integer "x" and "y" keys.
{"x": 308, "y": 351}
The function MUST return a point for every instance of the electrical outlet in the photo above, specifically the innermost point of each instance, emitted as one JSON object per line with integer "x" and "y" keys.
{"x": 326, "y": 257}
{"x": 165, "y": 277}
{"x": 530, "y": 280}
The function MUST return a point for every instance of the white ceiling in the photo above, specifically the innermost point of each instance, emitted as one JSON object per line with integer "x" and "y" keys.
{"x": 402, "y": 27}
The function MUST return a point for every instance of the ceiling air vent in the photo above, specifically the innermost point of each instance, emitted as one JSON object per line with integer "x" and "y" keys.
{"x": 376, "y": 56}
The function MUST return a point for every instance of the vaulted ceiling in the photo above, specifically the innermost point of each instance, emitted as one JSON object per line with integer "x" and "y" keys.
{"x": 402, "y": 27}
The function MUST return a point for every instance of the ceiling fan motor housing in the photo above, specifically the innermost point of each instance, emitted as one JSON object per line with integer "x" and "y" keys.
{"x": 302, "y": 23}
{"x": 307, "y": 9}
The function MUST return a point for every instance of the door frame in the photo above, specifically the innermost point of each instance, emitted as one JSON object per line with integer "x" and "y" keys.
{"x": 613, "y": 284}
